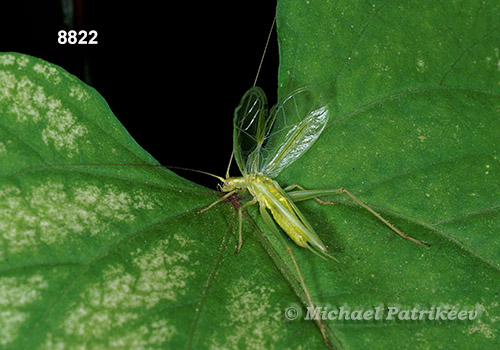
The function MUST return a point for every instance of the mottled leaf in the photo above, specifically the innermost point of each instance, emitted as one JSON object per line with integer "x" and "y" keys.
{"x": 98, "y": 255}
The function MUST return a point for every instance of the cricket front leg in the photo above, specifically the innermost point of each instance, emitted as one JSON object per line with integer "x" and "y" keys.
{"x": 220, "y": 200}
{"x": 240, "y": 224}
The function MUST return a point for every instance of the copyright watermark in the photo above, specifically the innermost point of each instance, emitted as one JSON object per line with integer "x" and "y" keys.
{"x": 385, "y": 313}
{"x": 293, "y": 312}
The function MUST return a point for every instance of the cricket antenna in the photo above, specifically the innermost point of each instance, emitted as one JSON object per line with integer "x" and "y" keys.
{"x": 258, "y": 70}
{"x": 220, "y": 178}
{"x": 265, "y": 47}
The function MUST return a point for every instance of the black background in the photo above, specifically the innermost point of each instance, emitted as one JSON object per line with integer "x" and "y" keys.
{"x": 172, "y": 72}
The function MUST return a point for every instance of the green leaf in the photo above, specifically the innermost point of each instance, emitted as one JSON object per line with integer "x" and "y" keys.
{"x": 96, "y": 254}
{"x": 414, "y": 90}
{"x": 117, "y": 257}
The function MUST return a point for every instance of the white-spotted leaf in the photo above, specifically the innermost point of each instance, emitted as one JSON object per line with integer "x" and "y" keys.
{"x": 97, "y": 255}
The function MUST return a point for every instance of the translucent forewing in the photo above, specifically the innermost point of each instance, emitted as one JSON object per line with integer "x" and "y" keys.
{"x": 249, "y": 130}
{"x": 298, "y": 122}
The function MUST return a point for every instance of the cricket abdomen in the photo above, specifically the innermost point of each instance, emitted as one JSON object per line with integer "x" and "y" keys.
{"x": 269, "y": 194}
{"x": 291, "y": 230}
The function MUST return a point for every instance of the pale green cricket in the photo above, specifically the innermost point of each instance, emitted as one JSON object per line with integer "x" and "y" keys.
{"x": 266, "y": 143}
{"x": 253, "y": 132}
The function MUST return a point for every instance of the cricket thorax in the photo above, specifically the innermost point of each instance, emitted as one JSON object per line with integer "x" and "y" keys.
{"x": 246, "y": 182}
{"x": 262, "y": 187}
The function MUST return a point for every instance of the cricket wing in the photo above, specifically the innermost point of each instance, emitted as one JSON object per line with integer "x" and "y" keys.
{"x": 297, "y": 125}
{"x": 249, "y": 130}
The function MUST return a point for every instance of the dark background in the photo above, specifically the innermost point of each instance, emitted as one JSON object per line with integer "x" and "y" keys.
{"x": 172, "y": 72}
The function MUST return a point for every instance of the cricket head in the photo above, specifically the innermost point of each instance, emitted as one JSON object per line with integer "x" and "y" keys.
{"x": 233, "y": 183}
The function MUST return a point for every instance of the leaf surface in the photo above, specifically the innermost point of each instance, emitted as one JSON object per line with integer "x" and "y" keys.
{"x": 415, "y": 95}
{"x": 117, "y": 257}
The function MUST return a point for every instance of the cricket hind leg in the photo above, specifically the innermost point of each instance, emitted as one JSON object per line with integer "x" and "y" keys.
{"x": 304, "y": 194}
{"x": 378, "y": 216}
{"x": 274, "y": 229}
{"x": 297, "y": 198}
